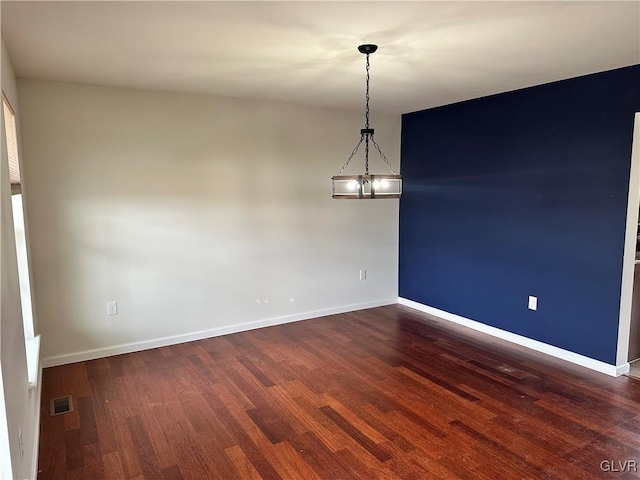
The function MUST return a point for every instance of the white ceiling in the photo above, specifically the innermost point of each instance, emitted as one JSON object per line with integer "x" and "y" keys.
{"x": 431, "y": 53}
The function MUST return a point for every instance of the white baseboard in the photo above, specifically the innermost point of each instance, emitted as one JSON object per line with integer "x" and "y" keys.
{"x": 557, "y": 352}
{"x": 199, "y": 335}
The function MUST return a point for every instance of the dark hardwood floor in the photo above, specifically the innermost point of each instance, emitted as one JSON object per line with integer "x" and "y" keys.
{"x": 373, "y": 394}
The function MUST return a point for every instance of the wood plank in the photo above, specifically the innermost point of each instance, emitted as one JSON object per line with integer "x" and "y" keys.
{"x": 88, "y": 427}
{"x": 113, "y": 467}
{"x": 243, "y": 467}
{"x": 365, "y": 442}
{"x": 73, "y": 449}
{"x": 172, "y": 473}
{"x": 286, "y": 460}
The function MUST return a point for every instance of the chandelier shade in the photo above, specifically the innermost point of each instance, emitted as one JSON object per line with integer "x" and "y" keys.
{"x": 367, "y": 186}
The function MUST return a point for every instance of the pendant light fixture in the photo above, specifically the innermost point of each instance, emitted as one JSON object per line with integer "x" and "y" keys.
{"x": 367, "y": 186}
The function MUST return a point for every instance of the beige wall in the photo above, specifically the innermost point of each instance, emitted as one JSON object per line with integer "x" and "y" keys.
{"x": 19, "y": 407}
{"x": 189, "y": 209}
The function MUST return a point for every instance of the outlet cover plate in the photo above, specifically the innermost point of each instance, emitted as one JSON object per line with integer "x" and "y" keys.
{"x": 112, "y": 308}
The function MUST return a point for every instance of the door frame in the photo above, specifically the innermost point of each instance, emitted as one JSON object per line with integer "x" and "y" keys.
{"x": 629, "y": 256}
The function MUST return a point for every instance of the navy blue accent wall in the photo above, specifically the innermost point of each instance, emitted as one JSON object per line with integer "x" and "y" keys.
{"x": 523, "y": 193}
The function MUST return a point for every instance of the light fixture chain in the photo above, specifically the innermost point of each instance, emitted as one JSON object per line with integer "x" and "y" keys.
{"x": 366, "y": 123}
{"x": 382, "y": 155}
{"x": 367, "y": 97}
{"x": 355, "y": 150}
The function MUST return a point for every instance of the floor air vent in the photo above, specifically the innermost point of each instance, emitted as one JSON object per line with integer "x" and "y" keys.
{"x": 61, "y": 405}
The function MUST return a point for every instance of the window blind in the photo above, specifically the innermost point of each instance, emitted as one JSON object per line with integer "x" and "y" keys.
{"x": 12, "y": 145}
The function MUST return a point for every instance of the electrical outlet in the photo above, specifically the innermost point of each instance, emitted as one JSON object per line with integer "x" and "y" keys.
{"x": 112, "y": 308}
{"x": 363, "y": 274}
{"x": 533, "y": 303}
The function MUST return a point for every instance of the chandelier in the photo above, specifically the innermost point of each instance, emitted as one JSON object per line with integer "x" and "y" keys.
{"x": 367, "y": 186}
